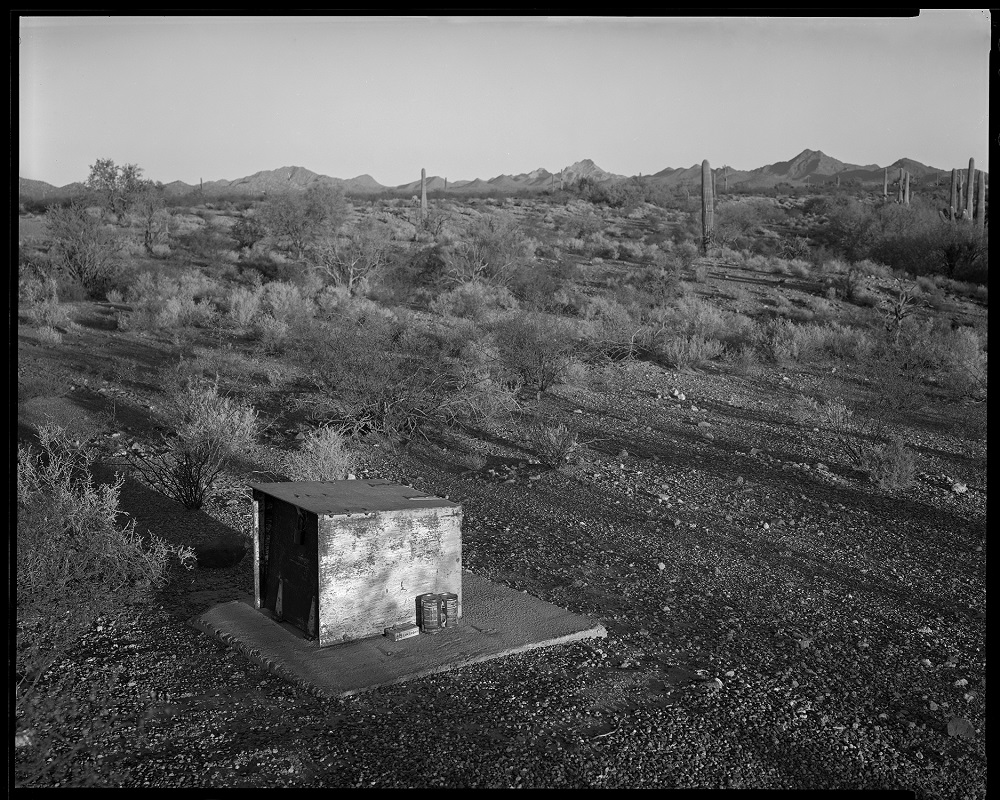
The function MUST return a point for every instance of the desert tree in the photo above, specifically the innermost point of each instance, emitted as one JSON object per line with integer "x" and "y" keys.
{"x": 84, "y": 250}
{"x": 248, "y": 231}
{"x": 352, "y": 260}
{"x": 490, "y": 250}
{"x": 116, "y": 189}
{"x": 301, "y": 218}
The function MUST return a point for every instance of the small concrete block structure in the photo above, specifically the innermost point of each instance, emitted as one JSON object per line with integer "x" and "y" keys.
{"x": 344, "y": 560}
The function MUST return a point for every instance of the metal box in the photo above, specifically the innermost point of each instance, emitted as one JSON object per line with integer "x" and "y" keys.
{"x": 344, "y": 560}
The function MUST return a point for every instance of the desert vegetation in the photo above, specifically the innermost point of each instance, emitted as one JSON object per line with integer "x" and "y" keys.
{"x": 192, "y": 346}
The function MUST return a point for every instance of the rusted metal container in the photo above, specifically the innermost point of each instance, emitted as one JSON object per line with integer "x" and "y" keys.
{"x": 430, "y": 612}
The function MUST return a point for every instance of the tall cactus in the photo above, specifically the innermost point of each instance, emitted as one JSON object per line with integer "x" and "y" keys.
{"x": 906, "y": 189}
{"x": 899, "y": 187}
{"x": 960, "y": 208}
{"x": 885, "y": 185}
{"x": 707, "y": 206}
{"x": 970, "y": 188}
{"x": 953, "y": 207}
{"x": 423, "y": 193}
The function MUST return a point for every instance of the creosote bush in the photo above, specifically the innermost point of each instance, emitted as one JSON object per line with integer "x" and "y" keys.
{"x": 76, "y": 561}
{"x": 210, "y": 430}
{"x": 556, "y": 445}
{"x": 324, "y": 455}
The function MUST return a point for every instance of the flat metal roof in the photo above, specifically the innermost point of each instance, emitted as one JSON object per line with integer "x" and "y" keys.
{"x": 335, "y": 498}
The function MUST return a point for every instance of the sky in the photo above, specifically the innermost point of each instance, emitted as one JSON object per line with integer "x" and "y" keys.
{"x": 210, "y": 98}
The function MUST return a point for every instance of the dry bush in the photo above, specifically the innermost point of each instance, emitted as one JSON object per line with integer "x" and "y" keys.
{"x": 555, "y": 445}
{"x": 84, "y": 249}
{"x": 536, "y": 348}
{"x": 324, "y": 455}
{"x": 210, "y": 430}
{"x": 243, "y": 305}
{"x": 76, "y": 561}
{"x": 286, "y": 303}
{"x": 476, "y": 301}
{"x": 491, "y": 249}
{"x": 687, "y": 352}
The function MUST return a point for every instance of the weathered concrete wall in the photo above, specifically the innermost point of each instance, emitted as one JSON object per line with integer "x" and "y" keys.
{"x": 373, "y": 566}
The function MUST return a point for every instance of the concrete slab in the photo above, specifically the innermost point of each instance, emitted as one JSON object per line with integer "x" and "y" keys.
{"x": 496, "y": 621}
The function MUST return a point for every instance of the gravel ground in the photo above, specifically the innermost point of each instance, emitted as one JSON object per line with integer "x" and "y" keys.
{"x": 774, "y": 621}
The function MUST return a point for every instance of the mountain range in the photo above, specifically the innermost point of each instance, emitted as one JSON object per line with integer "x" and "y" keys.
{"x": 809, "y": 167}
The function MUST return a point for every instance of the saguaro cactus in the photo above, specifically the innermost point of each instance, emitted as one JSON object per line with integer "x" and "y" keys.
{"x": 981, "y": 201}
{"x": 970, "y": 188}
{"x": 707, "y": 206}
{"x": 952, "y": 208}
{"x": 960, "y": 208}
{"x": 725, "y": 176}
{"x": 423, "y": 193}
{"x": 906, "y": 189}
{"x": 885, "y": 185}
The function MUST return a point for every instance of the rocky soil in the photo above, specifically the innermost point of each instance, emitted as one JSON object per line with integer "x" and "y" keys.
{"x": 775, "y": 620}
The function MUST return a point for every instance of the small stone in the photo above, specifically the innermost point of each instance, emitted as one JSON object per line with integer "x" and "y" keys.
{"x": 961, "y": 727}
{"x": 959, "y": 488}
{"x": 661, "y": 566}
{"x": 677, "y": 523}
{"x": 577, "y": 410}
{"x": 704, "y": 424}
{"x": 933, "y": 706}
{"x": 961, "y": 682}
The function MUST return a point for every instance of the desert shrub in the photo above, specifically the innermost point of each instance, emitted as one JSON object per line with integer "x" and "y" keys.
{"x": 273, "y": 334}
{"x": 867, "y": 441}
{"x": 700, "y": 273}
{"x": 209, "y": 431}
{"x": 787, "y": 341}
{"x": 490, "y": 249}
{"x": 247, "y": 232}
{"x": 535, "y": 347}
{"x": 297, "y": 219}
{"x": 475, "y": 300}
{"x": 555, "y": 445}
{"x": 610, "y": 328}
{"x": 285, "y": 302}
{"x": 40, "y": 300}
{"x": 687, "y": 352}
{"x": 742, "y": 358}
{"x": 847, "y": 343}
{"x": 689, "y": 316}
{"x": 392, "y": 376}
{"x": 967, "y": 362}
{"x": 891, "y": 464}
{"x": 243, "y": 305}
{"x": 208, "y": 244}
{"x": 535, "y": 284}
{"x": 84, "y": 250}
{"x": 355, "y": 260}
{"x": 324, "y": 455}
{"x": 46, "y": 334}
{"x": 800, "y": 268}
{"x": 76, "y": 560}
{"x": 686, "y": 253}
{"x": 738, "y": 224}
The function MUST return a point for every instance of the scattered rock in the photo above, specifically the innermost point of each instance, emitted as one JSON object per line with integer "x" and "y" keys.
{"x": 961, "y": 727}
